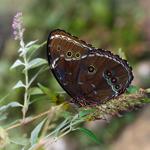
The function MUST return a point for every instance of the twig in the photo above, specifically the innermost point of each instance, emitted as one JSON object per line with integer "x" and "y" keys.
{"x": 26, "y": 121}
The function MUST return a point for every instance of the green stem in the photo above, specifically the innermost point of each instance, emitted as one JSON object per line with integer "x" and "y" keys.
{"x": 69, "y": 127}
{"x": 26, "y": 94}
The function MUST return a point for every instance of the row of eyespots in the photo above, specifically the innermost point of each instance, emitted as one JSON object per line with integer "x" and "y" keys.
{"x": 69, "y": 53}
{"x": 108, "y": 74}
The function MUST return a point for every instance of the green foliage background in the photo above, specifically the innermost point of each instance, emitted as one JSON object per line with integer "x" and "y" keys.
{"x": 108, "y": 24}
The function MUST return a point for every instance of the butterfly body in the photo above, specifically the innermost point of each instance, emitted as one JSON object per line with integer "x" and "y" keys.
{"x": 90, "y": 76}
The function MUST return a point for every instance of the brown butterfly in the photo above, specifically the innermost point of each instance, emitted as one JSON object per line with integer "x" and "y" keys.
{"x": 89, "y": 75}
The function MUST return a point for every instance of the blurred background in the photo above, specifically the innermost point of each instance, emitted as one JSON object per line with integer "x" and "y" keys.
{"x": 107, "y": 24}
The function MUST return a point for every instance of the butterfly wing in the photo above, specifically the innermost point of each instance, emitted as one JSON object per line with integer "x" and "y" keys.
{"x": 109, "y": 78}
{"x": 86, "y": 73}
{"x": 66, "y": 66}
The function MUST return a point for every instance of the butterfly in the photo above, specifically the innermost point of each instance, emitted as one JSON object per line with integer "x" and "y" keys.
{"x": 91, "y": 76}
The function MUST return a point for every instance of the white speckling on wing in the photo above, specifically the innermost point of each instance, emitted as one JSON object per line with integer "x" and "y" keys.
{"x": 80, "y": 83}
{"x": 91, "y": 55}
{"x": 68, "y": 59}
{"x": 103, "y": 55}
{"x": 69, "y": 73}
{"x": 95, "y": 92}
{"x": 49, "y": 45}
{"x": 62, "y": 55}
{"x": 71, "y": 40}
{"x": 54, "y": 62}
{"x": 93, "y": 85}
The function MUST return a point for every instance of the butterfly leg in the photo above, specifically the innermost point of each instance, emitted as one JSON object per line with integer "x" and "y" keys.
{"x": 81, "y": 102}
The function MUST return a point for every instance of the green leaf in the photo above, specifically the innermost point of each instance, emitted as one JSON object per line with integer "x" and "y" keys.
{"x": 146, "y": 100}
{"x": 39, "y": 98}
{"x": 35, "y": 91}
{"x": 19, "y": 84}
{"x": 49, "y": 93}
{"x": 42, "y": 69}
{"x": 12, "y": 104}
{"x": 3, "y": 98}
{"x": 20, "y": 49}
{"x": 84, "y": 112}
{"x": 89, "y": 134}
{"x": 30, "y": 43}
{"x": 61, "y": 126}
{"x": 36, "y": 63}
{"x": 3, "y": 116}
{"x": 33, "y": 48}
{"x": 66, "y": 114}
{"x": 35, "y": 132}
{"x": 132, "y": 89}
{"x": 16, "y": 64}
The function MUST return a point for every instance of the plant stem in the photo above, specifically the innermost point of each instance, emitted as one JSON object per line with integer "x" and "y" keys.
{"x": 23, "y": 122}
{"x": 26, "y": 94}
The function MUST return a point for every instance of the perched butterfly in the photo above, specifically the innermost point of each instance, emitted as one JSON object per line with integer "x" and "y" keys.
{"x": 89, "y": 75}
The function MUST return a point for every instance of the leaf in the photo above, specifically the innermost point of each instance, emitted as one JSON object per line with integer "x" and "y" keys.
{"x": 146, "y": 100}
{"x": 84, "y": 113}
{"x": 2, "y": 99}
{"x": 20, "y": 49}
{"x": 36, "y": 63}
{"x": 66, "y": 114}
{"x": 35, "y": 132}
{"x": 31, "y": 43}
{"x": 12, "y": 104}
{"x": 16, "y": 64}
{"x": 42, "y": 69}
{"x": 89, "y": 134}
{"x": 48, "y": 92}
{"x": 18, "y": 85}
{"x": 39, "y": 98}
{"x": 35, "y": 91}
{"x": 3, "y": 116}
{"x": 132, "y": 89}
{"x": 33, "y": 48}
{"x": 60, "y": 127}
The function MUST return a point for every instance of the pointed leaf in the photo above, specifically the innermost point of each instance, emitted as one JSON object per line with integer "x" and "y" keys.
{"x": 146, "y": 100}
{"x": 89, "y": 134}
{"x": 20, "y": 49}
{"x": 16, "y": 64}
{"x": 12, "y": 104}
{"x": 36, "y": 63}
{"x": 3, "y": 116}
{"x": 3, "y": 98}
{"x": 33, "y": 48}
{"x": 18, "y": 85}
{"x": 84, "y": 113}
{"x": 49, "y": 93}
{"x": 31, "y": 43}
{"x": 36, "y": 75}
{"x": 35, "y": 132}
{"x": 35, "y": 91}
